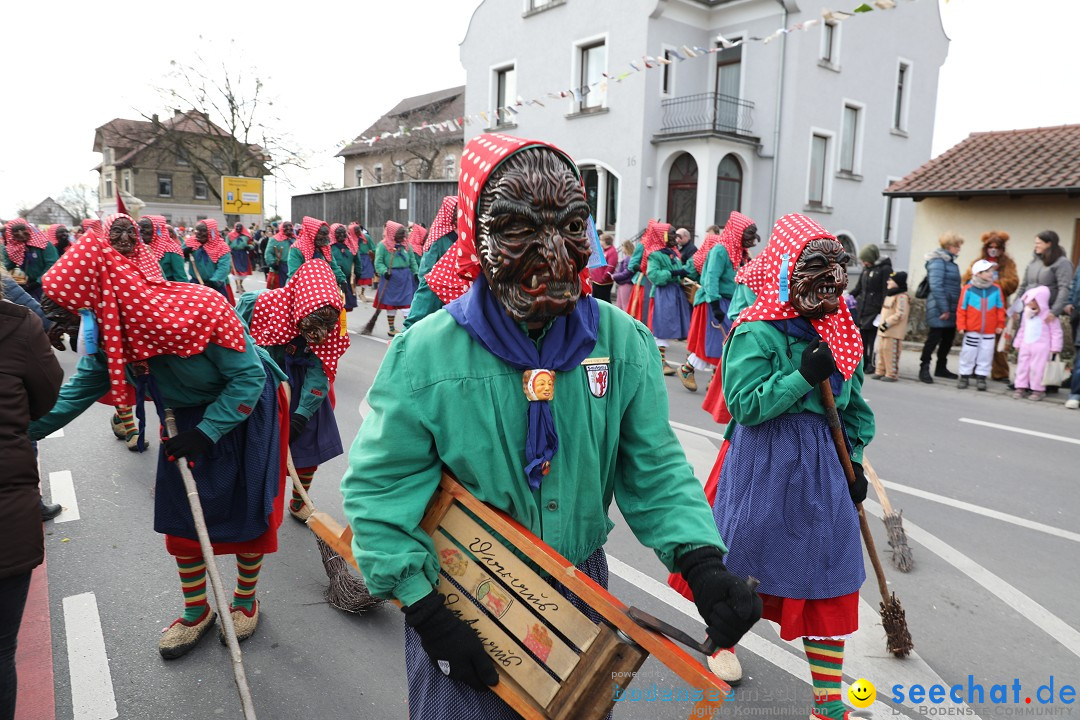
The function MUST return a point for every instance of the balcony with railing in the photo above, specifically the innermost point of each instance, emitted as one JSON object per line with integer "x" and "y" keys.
{"x": 706, "y": 114}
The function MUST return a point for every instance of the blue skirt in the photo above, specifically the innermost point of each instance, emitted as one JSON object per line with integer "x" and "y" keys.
{"x": 715, "y": 336}
{"x": 237, "y": 477}
{"x": 321, "y": 439}
{"x": 367, "y": 267}
{"x": 241, "y": 261}
{"x": 434, "y": 696}
{"x": 397, "y": 290}
{"x": 670, "y": 312}
{"x": 350, "y": 297}
{"x": 783, "y": 509}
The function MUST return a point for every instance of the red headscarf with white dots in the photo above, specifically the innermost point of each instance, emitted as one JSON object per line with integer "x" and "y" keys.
{"x": 277, "y": 312}
{"x": 416, "y": 238}
{"x": 90, "y": 226}
{"x": 215, "y": 245}
{"x": 789, "y": 236}
{"x": 162, "y": 241}
{"x": 305, "y": 241}
{"x": 445, "y": 221}
{"x": 139, "y": 314}
{"x": 655, "y": 238}
{"x": 390, "y": 231}
{"x": 352, "y": 237}
{"x": 16, "y": 251}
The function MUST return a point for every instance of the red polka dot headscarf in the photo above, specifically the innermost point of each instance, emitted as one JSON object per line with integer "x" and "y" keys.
{"x": 352, "y": 237}
{"x": 445, "y": 221}
{"x": 162, "y": 241}
{"x": 416, "y": 238}
{"x": 280, "y": 235}
{"x": 277, "y": 312}
{"x": 454, "y": 273}
{"x": 215, "y": 245}
{"x": 16, "y": 251}
{"x": 305, "y": 241}
{"x": 731, "y": 237}
{"x": 655, "y": 238}
{"x": 390, "y": 231}
{"x": 790, "y": 236}
{"x": 90, "y": 226}
{"x": 139, "y": 314}
{"x": 50, "y": 234}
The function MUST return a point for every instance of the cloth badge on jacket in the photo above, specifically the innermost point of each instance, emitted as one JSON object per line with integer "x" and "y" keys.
{"x": 597, "y": 371}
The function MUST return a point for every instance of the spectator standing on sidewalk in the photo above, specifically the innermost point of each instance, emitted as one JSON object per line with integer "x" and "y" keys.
{"x": 944, "y": 278}
{"x": 1037, "y": 339}
{"x": 1008, "y": 277}
{"x": 870, "y": 292}
{"x": 1051, "y": 268}
{"x": 624, "y": 278}
{"x": 892, "y": 328}
{"x": 602, "y": 277}
{"x": 1073, "y": 311}
{"x": 980, "y": 315}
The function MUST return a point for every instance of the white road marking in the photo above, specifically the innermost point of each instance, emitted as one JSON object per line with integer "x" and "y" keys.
{"x": 793, "y": 664}
{"x": 55, "y": 434}
{"x": 980, "y": 510}
{"x": 92, "y": 695}
{"x": 371, "y": 337}
{"x": 1042, "y": 618}
{"x": 697, "y": 431}
{"x": 63, "y": 491}
{"x": 1022, "y": 431}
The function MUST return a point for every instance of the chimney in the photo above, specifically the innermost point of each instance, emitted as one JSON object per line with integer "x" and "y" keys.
{"x": 155, "y": 119}
{"x": 176, "y": 112}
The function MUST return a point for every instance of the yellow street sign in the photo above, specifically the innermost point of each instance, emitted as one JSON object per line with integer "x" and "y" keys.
{"x": 241, "y": 195}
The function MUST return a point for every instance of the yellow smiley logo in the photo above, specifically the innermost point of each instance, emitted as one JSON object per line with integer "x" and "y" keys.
{"x": 862, "y": 693}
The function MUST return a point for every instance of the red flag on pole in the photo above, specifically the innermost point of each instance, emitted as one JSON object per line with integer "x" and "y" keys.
{"x": 120, "y": 207}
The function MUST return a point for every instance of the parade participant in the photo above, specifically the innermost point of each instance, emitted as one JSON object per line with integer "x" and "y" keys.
{"x": 638, "y": 304}
{"x": 27, "y": 255}
{"x": 716, "y": 262}
{"x": 417, "y": 234}
{"x": 192, "y": 355}
{"x": 669, "y": 312}
{"x": 240, "y": 244}
{"x": 395, "y": 288}
{"x": 344, "y": 251}
{"x": 156, "y": 233}
{"x": 299, "y": 326}
{"x": 525, "y": 311}
{"x": 440, "y": 237}
{"x": 783, "y": 502}
{"x": 313, "y": 243}
{"x": 59, "y": 237}
{"x": 365, "y": 255}
{"x": 89, "y": 225}
{"x": 277, "y": 254}
{"x": 209, "y": 262}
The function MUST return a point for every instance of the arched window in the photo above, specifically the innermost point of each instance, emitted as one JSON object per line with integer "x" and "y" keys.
{"x": 729, "y": 178}
{"x": 682, "y": 193}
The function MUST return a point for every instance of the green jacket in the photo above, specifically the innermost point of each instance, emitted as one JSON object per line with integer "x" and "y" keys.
{"x": 172, "y": 267}
{"x": 717, "y": 276}
{"x": 365, "y": 245}
{"x": 223, "y": 379}
{"x": 634, "y": 265}
{"x": 349, "y": 263}
{"x": 316, "y": 385}
{"x": 36, "y": 261}
{"x": 296, "y": 259}
{"x": 210, "y": 272}
{"x": 437, "y": 392}
{"x": 402, "y": 257}
{"x": 659, "y": 272}
{"x": 240, "y": 243}
{"x": 424, "y": 301}
{"x": 271, "y": 256}
{"x": 762, "y": 381}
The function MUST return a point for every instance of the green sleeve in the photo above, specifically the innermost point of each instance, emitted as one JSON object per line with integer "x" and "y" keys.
{"x": 315, "y": 390}
{"x": 754, "y": 389}
{"x": 722, "y": 282}
{"x": 51, "y": 256}
{"x": 393, "y": 472}
{"x": 172, "y": 267}
{"x": 424, "y": 303}
{"x": 342, "y": 281}
{"x": 742, "y": 298}
{"x": 656, "y": 491}
{"x": 414, "y": 264}
{"x": 635, "y": 260}
{"x": 659, "y": 271}
{"x": 240, "y": 243}
{"x": 381, "y": 258}
{"x": 245, "y": 306}
{"x": 245, "y": 379}
{"x": 355, "y": 267}
{"x": 268, "y": 254}
{"x": 858, "y": 417}
{"x": 221, "y": 270}
{"x": 89, "y": 383}
{"x": 8, "y": 265}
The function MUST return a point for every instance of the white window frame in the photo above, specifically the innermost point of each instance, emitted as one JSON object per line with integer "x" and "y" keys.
{"x": 830, "y": 56}
{"x": 534, "y": 5}
{"x": 125, "y": 181}
{"x": 172, "y": 190}
{"x": 904, "y": 97}
{"x": 450, "y": 166}
{"x": 377, "y": 173}
{"x": 358, "y": 175}
{"x": 668, "y": 71}
{"x": 714, "y": 67}
{"x": 579, "y": 47}
{"x": 498, "y": 120}
{"x": 827, "y": 171}
{"x": 195, "y": 180}
{"x": 108, "y": 189}
{"x": 857, "y": 150}
{"x": 890, "y": 221}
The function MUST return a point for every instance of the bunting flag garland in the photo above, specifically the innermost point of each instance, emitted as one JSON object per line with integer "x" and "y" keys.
{"x": 646, "y": 62}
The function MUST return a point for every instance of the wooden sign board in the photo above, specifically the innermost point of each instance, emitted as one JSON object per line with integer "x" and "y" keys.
{"x": 554, "y": 663}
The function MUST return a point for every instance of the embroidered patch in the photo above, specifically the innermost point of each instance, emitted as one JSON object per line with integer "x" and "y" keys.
{"x": 244, "y": 409}
{"x": 598, "y": 379}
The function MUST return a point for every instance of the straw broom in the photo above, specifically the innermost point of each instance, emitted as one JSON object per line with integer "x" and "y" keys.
{"x": 344, "y": 591}
{"x": 375, "y": 303}
{"x": 898, "y": 638}
{"x": 224, "y": 616}
{"x": 894, "y": 523}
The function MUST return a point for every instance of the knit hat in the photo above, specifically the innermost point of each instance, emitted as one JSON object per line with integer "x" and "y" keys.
{"x": 900, "y": 278}
{"x": 870, "y": 254}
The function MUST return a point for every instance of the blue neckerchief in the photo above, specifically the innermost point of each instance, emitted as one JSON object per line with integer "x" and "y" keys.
{"x": 569, "y": 340}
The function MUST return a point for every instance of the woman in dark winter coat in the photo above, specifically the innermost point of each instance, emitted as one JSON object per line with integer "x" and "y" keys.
{"x": 941, "y": 305}
{"x": 30, "y": 380}
{"x": 870, "y": 290}
{"x": 1050, "y": 267}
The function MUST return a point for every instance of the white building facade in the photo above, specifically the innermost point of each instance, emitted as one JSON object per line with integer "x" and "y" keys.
{"x": 817, "y": 121}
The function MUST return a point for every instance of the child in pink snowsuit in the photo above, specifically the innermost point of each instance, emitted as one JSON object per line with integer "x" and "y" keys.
{"x": 1036, "y": 340}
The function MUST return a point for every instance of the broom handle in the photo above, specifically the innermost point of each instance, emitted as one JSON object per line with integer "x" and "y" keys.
{"x": 833, "y": 418}
{"x": 295, "y": 476}
{"x": 878, "y": 487}
{"x": 224, "y": 616}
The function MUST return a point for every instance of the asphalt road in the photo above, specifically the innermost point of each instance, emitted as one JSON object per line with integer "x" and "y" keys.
{"x": 992, "y": 515}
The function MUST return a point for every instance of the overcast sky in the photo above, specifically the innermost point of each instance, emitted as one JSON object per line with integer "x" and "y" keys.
{"x": 69, "y": 67}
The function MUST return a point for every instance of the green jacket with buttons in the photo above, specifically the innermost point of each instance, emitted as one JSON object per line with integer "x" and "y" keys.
{"x": 441, "y": 399}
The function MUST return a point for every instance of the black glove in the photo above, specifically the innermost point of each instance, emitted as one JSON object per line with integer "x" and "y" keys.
{"x": 452, "y": 646}
{"x": 883, "y": 327}
{"x": 190, "y": 444}
{"x": 717, "y": 312}
{"x": 858, "y": 489}
{"x": 387, "y": 275}
{"x": 56, "y": 336}
{"x": 297, "y": 423}
{"x": 726, "y": 603}
{"x": 817, "y": 362}
{"x": 679, "y": 272}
